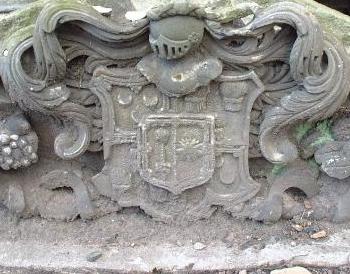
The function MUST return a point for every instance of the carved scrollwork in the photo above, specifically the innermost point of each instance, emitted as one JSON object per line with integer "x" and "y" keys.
{"x": 178, "y": 100}
{"x": 317, "y": 88}
{"x": 315, "y": 63}
{"x": 45, "y": 89}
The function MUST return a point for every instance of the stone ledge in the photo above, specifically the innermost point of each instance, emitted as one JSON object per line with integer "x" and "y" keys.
{"x": 31, "y": 256}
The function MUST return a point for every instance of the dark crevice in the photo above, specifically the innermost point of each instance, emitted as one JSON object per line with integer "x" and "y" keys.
{"x": 296, "y": 193}
{"x": 65, "y": 189}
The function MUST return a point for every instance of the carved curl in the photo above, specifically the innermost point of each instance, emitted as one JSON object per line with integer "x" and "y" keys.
{"x": 45, "y": 90}
{"x": 318, "y": 68}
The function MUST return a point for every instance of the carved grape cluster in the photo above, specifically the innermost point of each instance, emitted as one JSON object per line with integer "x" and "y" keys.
{"x": 18, "y": 143}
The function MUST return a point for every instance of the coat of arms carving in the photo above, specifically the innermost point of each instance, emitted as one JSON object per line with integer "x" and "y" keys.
{"x": 177, "y": 102}
{"x": 177, "y": 152}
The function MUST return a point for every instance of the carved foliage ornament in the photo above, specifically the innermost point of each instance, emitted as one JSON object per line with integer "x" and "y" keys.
{"x": 174, "y": 99}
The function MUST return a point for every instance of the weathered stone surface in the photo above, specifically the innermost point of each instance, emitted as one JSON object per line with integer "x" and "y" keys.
{"x": 93, "y": 256}
{"x": 334, "y": 159}
{"x": 174, "y": 111}
{"x": 176, "y": 100}
{"x": 171, "y": 258}
{"x": 300, "y": 175}
{"x": 291, "y": 270}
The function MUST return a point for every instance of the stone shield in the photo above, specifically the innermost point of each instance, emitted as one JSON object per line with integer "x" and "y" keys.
{"x": 177, "y": 151}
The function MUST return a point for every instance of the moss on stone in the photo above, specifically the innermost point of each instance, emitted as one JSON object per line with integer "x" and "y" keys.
{"x": 333, "y": 22}
{"x": 301, "y": 130}
{"x": 19, "y": 25}
{"x": 21, "y": 19}
{"x": 278, "y": 169}
{"x": 324, "y": 128}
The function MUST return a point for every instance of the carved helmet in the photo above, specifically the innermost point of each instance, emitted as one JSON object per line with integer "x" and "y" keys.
{"x": 174, "y": 37}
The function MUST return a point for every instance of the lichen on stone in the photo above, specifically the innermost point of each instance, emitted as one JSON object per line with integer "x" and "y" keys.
{"x": 18, "y": 25}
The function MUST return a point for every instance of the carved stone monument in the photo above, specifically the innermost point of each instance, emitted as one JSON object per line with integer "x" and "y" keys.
{"x": 168, "y": 110}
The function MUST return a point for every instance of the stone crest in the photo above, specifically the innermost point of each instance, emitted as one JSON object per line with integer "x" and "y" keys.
{"x": 177, "y": 152}
{"x": 176, "y": 103}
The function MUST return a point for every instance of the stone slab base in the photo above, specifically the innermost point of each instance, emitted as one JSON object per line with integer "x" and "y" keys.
{"x": 31, "y": 257}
